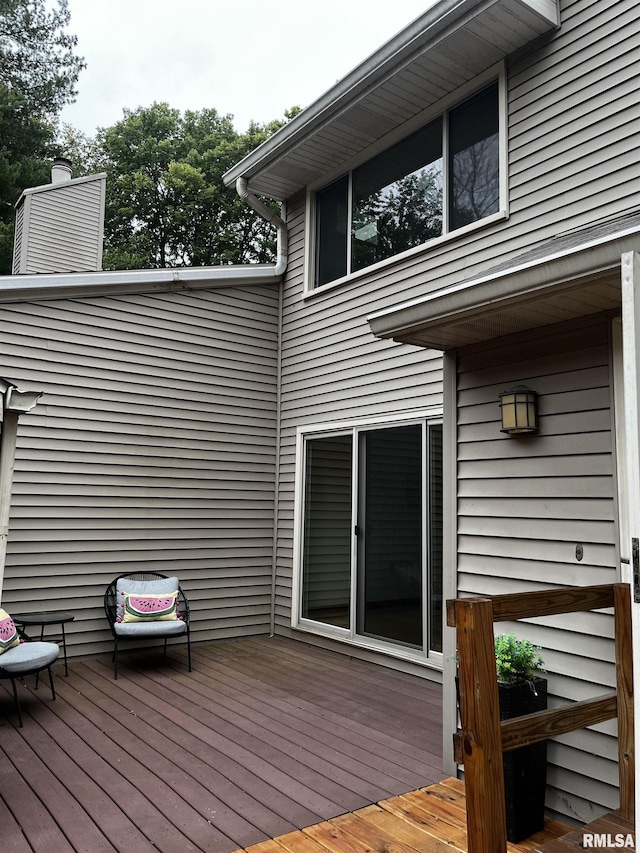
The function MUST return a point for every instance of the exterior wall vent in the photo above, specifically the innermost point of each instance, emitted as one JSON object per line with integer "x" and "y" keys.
{"x": 59, "y": 226}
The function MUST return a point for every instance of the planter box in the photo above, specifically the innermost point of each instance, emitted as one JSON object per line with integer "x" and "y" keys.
{"x": 525, "y": 769}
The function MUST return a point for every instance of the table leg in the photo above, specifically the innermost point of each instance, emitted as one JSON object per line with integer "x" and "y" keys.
{"x": 64, "y": 649}
{"x": 41, "y": 639}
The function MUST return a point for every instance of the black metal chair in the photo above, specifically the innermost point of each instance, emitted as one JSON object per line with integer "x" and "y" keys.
{"x": 151, "y": 583}
{"x": 28, "y": 658}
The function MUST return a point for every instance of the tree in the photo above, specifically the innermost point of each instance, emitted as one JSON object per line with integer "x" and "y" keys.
{"x": 37, "y": 59}
{"x": 38, "y": 74}
{"x": 166, "y": 203}
{"x": 397, "y": 217}
{"x": 84, "y": 151}
{"x": 24, "y": 142}
{"x": 476, "y": 181}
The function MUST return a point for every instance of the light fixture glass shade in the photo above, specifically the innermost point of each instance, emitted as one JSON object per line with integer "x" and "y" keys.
{"x": 518, "y": 408}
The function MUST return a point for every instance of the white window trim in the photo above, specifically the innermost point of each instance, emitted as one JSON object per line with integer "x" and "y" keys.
{"x": 496, "y": 72}
{"x": 433, "y": 660}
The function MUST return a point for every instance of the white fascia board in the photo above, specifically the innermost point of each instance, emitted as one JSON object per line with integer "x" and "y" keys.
{"x": 316, "y": 114}
{"x": 17, "y": 288}
{"x": 547, "y": 9}
{"x": 525, "y": 281}
{"x": 427, "y": 30}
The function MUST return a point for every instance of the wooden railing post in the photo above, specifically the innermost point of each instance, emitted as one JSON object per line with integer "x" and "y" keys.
{"x": 624, "y": 684}
{"x": 483, "y": 737}
{"x": 480, "y": 721}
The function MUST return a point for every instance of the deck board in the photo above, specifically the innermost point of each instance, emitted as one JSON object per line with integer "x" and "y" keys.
{"x": 397, "y": 825}
{"x": 268, "y": 746}
{"x": 128, "y": 770}
{"x": 273, "y": 700}
{"x": 333, "y": 731}
{"x": 202, "y": 733}
{"x": 612, "y": 824}
{"x": 263, "y": 738}
{"x": 386, "y": 828}
{"x": 321, "y": 780}
{"x": 40, "y": 776}
{"x": 394, "y": 698}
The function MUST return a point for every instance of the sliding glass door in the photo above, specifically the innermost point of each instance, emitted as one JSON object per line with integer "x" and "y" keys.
{"x": 372, "y": 535}
{"x": 326, "y": 584}
{"x": 389, "y": 535}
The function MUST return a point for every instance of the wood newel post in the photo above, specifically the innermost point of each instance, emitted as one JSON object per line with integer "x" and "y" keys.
{"x": 624, "y": 678}
{"x": 480, "y": 721}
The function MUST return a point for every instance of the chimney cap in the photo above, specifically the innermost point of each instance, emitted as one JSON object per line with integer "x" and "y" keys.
{"x": 60, "y": 170}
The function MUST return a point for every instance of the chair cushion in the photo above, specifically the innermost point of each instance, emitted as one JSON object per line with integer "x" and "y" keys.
{"x": 149, "y": 608}
{"x": 156, "y": 586}
{"x": 8, "y": 632}
{"x": 150, "y": 629}
{"x": 28, "y": 657}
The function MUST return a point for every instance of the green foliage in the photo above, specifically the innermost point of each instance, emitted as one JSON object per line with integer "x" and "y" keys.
{"x": 166, "y": 203}
{"x": 516, "y": 659}
{"x": 403, "y": 215}
{"x": 83, "y": 150}
{"x": 37, "y": 59}
{"x": 24, "y": 140}
{"x": 38, "y": 73}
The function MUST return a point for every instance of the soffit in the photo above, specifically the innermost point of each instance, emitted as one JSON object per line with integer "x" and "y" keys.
{"x": 455, "y": 41}
{"x": 563, "y": 279}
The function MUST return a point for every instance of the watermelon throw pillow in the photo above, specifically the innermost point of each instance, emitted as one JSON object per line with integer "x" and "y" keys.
{"x": 8, "y": 633}
{"x": 148, "y": 607}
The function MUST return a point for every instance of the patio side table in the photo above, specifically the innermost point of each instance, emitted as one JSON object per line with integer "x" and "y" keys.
{"x": 44, "y": 618}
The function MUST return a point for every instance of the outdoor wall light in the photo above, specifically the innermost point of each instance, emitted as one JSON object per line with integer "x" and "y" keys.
{"x": 518, "y": 408}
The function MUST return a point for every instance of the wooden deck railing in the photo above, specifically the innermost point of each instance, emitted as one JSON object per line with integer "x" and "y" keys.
{"x": 483, "y": 737}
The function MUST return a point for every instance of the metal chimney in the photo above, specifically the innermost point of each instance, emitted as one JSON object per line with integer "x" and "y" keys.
{"x": 61, "y": 170}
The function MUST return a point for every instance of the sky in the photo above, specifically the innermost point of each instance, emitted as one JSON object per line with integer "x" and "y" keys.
{"x": 250, "y": 58}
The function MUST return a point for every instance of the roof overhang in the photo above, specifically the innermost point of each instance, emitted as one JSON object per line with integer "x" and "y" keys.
{"x": 20, "y": 288}
{"x": 566, "y": 284}
{"x": 451, "y": 44}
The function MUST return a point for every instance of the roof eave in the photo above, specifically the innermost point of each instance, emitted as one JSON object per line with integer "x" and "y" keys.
{"x": 105, "y": 283}
{"x": 373, "y": 68}
{"x": 415, "y": 39}
{"x": 431, "y": 321}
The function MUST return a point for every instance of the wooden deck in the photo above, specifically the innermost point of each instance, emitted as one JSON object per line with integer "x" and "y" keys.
{"x": 431, "y": 820}
{"x": 264, "y": 737}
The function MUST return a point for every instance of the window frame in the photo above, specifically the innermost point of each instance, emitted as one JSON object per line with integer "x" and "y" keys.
{"x": 424, "y": 656}
{"x": 496, "y": 73}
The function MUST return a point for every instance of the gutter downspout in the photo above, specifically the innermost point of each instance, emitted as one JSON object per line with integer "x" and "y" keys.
{"x": 242, "y": 188}
{"x": 276, "y": 493}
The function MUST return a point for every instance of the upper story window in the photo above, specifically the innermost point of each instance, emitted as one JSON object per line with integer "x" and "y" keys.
{"x": 440, "y": 178}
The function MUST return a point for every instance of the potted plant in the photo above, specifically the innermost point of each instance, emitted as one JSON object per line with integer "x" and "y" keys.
{"x": 521, "y": 690}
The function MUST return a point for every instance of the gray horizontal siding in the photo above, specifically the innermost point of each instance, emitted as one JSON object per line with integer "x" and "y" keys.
{"x": 524, "y": 504}
{"x": 153, "y": 447}
{"x": 573, "y": 121}
{"x": 571, "y": 162}
{"x": 333, "y": 369}
{"x": 572, "y": 132}
{"x": 63, "y": 228}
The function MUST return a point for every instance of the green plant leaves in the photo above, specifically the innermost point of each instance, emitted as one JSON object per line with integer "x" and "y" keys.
{"x": 516, "y": 659}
